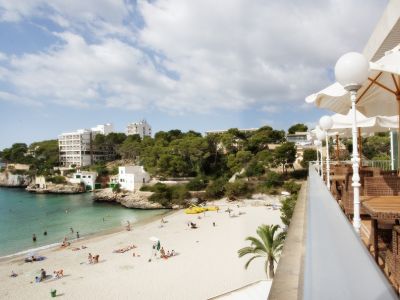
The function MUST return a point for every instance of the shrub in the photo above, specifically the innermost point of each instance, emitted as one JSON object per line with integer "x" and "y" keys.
{"x": 291, "y": 186}
{"x": 116, "y": 188}
{"x": 146, "y": 188}
{"x": 239, "y": 188}
{"x": 298, "y": 174}
{"x": 255, "y": 169}
{"x": 273, "y": 179}
{"x": 308, "y": 155}
{"x": 287, "y": 209}
{"x": 196, "y": 184}
{"x": 179, "y": 194}
{"x": 162, "y": 194}
{"x": 215, "y": 189}
{"x": 57, "y": 179}
{"x": 167, "y": 195}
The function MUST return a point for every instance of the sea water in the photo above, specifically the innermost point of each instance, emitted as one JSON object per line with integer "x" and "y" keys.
{"x": 23, "y": 214}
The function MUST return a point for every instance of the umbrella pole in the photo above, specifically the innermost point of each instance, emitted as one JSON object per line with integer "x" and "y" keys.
{"x": 337, "y": 147}
{"x": 398, "y": 130}
{"x": 360, "y": 145}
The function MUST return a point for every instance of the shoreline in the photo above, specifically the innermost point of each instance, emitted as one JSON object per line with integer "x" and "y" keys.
{"x": 87, "y": 238}
{"x": 206, "y": 263}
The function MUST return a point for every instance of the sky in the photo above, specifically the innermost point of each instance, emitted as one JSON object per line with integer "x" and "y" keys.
{"x": 198, "y": 64}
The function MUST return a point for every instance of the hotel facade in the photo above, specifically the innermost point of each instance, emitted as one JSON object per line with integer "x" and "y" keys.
{"x": 141, "y": 128}
{"x": 76, "y": 148}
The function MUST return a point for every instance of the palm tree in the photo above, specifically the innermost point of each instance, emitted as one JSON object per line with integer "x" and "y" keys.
{"x": 269, "y": 246}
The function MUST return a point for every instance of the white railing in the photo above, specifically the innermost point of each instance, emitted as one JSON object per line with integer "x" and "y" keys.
{"x": 385, "y": 165}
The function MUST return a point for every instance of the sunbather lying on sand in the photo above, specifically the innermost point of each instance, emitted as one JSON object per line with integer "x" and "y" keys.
{"x": 59, "y": 273}
{"x": 193, "y": 225}
{"x": 34, "y": 258}
{"x": 77, "y": 248}
{"x": 125, "y": 249}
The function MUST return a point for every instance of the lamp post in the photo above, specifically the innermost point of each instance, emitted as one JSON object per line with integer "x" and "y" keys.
{"x": 321, "y": 135}
{"x": 351, "y": 71}
{"x": 326, "y": 123}
{"x": 316, "y": 143}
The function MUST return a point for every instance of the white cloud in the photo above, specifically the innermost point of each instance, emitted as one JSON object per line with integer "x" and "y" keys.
{"x": 9, "y": 97}
{"x": 229, "y": 54}
{"x": 270, "y": 108}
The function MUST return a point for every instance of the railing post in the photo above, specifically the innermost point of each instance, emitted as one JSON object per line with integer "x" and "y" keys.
{"x": 328, "y": 168}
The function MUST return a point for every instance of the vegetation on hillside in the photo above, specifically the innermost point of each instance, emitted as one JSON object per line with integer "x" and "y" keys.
{"x": 297, "y": 128}
{"x": 42, "y": 156}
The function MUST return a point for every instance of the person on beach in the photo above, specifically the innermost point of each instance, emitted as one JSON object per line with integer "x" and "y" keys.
{"x": 96, "y": 258}
{"x": 13, "y": 274}
{"x": 34, "y": 237}
{"x": 65, "y": 243}
{"x": 90, "y": 258}
{"x": 128, "y": 226}
{"x": 214, "y": 224}
{"x": 45, "y": 232}
{"x": 162, "y": 253}
{"x": 72, "y": 230}
{"x": 77, "y": 234}
{"x": 158, "y": 245}
{"x": 59, "y": 273}
{"x": 42, "y": 275}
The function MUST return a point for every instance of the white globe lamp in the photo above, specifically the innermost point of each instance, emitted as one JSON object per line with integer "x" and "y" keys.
{"x": 351, "y": 71}
{"x": 326, "y": 122}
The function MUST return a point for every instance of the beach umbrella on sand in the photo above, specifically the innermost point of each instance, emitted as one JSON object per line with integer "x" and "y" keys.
{"x": 154, "y": 239}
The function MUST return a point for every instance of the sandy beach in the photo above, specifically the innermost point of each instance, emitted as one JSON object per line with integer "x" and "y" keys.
{"x": 206, "y": 264}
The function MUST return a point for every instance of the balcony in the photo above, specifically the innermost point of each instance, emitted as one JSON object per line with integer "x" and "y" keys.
{"x": 323, "y": 258}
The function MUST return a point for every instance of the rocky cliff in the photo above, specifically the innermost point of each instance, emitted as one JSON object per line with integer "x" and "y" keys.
{"x": 14, "y": 180}
{"x": 136, "y": 199}
{"x": 52, "y": 188}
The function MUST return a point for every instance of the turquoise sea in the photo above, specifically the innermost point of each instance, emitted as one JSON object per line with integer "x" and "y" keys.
{"x": 23, "y": 214}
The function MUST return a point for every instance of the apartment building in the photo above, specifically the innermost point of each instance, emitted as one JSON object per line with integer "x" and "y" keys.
{"x": 141, "y": 128}
{"x": 76, "y": 148}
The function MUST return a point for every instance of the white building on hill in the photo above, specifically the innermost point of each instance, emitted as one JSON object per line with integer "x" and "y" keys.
{"x": 141, "y": 128}
{"x": 88, "y": 178}
{"x": 76, "y": 148}
{"x": 132, "y": 177}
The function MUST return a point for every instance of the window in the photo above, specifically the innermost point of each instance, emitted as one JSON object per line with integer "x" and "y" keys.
{"x": 84, "y": 176}
{"x": 77, "y": 176}
{"x": 89, "y": 176}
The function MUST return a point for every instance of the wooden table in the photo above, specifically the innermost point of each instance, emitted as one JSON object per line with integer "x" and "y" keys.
{"x": 381, "y": 208}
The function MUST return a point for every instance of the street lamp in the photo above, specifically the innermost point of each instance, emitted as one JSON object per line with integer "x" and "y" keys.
{"x": 321, "y": 136}
{"x": 316, "y": 143}
{"x": 351, "y": 71}
{"x": 326, "y": 123}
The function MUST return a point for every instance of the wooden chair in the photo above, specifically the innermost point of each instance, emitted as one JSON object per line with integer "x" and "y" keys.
{"x": 392, "y": 263}
{"x": 348, "y": 195}
{"x": 382, "y": 186}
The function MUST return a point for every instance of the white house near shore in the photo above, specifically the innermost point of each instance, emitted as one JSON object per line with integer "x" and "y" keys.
{"x": 88, "y": 178}
{"x": 132, "y": 177}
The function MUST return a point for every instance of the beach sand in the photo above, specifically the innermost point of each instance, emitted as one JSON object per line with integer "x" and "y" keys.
{"x": 207, "y": 263}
